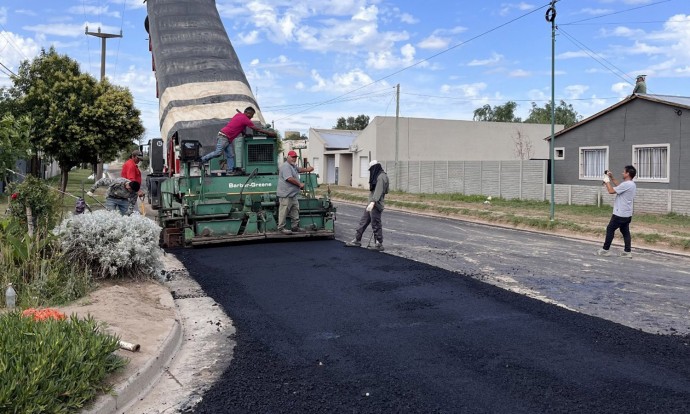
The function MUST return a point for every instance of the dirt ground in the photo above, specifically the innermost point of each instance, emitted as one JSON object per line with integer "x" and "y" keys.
{"x": 663, "y": 235}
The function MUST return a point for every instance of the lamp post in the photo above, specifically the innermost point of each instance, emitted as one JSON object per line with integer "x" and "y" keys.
{"x": 551, "y": 17}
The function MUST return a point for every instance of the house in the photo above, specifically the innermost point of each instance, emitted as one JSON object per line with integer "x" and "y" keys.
{"x": 342, "y": 157}
{"x": 650, "y": 132}
{"x": 332, "y": 154}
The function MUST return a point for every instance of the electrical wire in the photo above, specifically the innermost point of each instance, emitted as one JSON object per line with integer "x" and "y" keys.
{"x": 11, "y": 74}
{"x": 88, "y": 46}
{"x": 10, "y": 42}
{"x": 598, "y": 58}
{"x": 329, "y": 101}
{"x": 617, "y": 12}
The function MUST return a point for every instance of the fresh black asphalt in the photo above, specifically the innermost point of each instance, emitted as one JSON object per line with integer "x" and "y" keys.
{"x": 327, "y": 329}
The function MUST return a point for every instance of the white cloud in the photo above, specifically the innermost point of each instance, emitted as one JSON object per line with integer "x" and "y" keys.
{"x": 408, "y": 18}
{"x": 26, "y": 12}
{"x": 15, "y": 49}
{"x": 506, "y": 8}
{"x": 519, "y": 73}
{"x": 3, "y": 15}
{"x": 250, "y": 38}
{"x": 622, "y": 31}
{"x": 468, "y": 90}
{"x": 434, "y": 42}
{"x": 595, "y": 12}
{"x": 495, "y": 58}
{"x": 344, "y": 82}
{"x": 70, "y": 30}
{"x": 622, "y": 89}
{"x": 572, "y": 55}
{"x": 386, "y": 59}
{"x": 93, "y": 10}
{"x": 575, "y": 91}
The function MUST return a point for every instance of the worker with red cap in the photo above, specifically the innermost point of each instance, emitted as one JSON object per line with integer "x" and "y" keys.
{"x": 289, "y": 186}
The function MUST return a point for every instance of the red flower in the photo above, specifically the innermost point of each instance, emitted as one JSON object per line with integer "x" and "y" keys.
{"x": 14, "y": 196}
{"x": 42, "y": 314}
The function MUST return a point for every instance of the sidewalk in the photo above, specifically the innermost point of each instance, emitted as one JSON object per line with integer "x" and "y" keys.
{"x": 141, "y": 313}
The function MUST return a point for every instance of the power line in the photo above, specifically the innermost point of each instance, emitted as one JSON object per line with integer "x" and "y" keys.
{"x": 423, "y": 60}
{"x": 504, "y": 99}
{"x": 10, "y": 42}
{"x": 598, "y": 58}
{"x": 617, "y": 12}
{"x": 9, "y": 70}
{"x": 380, "y": 92}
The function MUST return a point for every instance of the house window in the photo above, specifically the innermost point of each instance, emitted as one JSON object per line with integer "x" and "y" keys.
{"x": 593, "y": 162}
{"x": 316, "y": 165}
{"x": 559, "y": 153}
{"x": 364, "y": 167}
{"x": 651, "y": 162}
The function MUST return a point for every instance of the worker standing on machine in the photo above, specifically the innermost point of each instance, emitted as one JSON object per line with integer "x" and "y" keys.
{"x": 227, "y": 135}
{"x": 288, "y": 189}
{"x": 378, "y": 188}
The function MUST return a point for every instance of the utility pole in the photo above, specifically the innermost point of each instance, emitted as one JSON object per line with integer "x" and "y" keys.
{"x": 103, "y": 36}
{"x": 397, "y": 135}
{"x": 551, "y": 17}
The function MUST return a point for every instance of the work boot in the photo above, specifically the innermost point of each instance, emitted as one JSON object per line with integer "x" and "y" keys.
{"x": 603, "y": 252}
{"x": 286, "y": 231}
{"x": 353, "y": 243}
{"x": 377, "y": 246}
{"x": 297, "y": 230}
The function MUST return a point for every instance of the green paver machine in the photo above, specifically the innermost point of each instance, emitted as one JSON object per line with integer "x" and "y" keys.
{"x": 200, "y": 205}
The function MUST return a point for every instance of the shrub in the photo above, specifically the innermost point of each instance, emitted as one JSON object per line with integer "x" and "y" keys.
{"x": 112, "y": 245}
{"x": 39, "y": 271}
{"x": 34, "y": 193}
{"x": 53, "y": 365}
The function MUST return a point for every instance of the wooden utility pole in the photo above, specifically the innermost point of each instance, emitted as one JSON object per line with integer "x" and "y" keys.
{"x": 103, "y": 36}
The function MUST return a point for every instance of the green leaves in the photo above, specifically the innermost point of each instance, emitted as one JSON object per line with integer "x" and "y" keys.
{"x": 14, "y": 141}
{"x": 565, "y": 114}
{"x": 352, "y": 123}
{"x": 77, "y": 119}
{"x": 53, "y": 366}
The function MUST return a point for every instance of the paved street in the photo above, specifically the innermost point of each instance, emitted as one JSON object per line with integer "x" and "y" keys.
{"x": 324, "y": 328}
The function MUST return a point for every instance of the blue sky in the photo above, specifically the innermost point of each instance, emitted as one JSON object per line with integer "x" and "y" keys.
{"x": 310, "y": 62}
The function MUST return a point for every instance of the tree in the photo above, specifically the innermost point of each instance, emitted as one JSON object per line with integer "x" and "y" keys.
{"x": 14, "y": 141}
{"x": 499, "y": 113}
{"x": 523, "y": 146}
{"x": 76, "y": 118}
{"x": 352, "y": 123}
{"x": 565, "y": 114}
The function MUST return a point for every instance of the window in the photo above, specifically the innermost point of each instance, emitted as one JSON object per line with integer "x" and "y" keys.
{"x": 559, "y": 153}
{"x": 651, "y": 162}
{"x": 364, "y": 167}
{"x": 593, "y": 162}
{"x": 316, "y": 165}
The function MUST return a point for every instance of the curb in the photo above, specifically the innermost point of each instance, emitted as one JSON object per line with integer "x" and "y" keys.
{"x": 124, "y": 394}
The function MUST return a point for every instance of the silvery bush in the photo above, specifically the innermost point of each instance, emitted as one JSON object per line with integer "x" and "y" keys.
{"x": 112, "y": 245}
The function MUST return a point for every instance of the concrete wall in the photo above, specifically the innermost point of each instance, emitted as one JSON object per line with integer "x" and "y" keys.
{"x": 523, "y": 180}
{"x": 438, "y": 140}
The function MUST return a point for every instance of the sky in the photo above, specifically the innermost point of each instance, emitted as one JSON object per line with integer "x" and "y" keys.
{"x": 310, "y": 62}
